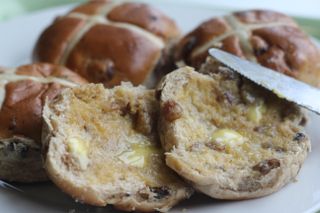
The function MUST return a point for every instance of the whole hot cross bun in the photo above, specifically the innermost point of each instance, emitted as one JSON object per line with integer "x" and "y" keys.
{"x": 270, "y": 38}
{"x": 111, "y": 41}
{"x": 23, "y": 92}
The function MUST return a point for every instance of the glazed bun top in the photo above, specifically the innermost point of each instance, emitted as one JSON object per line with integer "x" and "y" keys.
{"x": 270, "y": 38}
{"x": 109, "y": 41}
{"x": 23, "y": 92}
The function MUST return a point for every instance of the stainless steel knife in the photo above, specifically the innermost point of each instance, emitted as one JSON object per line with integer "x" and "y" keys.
{"x": 283, "y": 86}
{"x": 6, "y": 185}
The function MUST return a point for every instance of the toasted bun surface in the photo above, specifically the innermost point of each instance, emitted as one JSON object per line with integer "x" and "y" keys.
{"x": 22, "y": 94}
{"x": 272, "y": 39}
{"x": 101, "y": 147}
{"x": 230, "y": 138}
{"x": 111, "y": 41}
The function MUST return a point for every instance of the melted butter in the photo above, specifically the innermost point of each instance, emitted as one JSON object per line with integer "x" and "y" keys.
{"x": 139, "y": 155}
{"x": 256, "y": 111}
{"x": 79, "y": 151}
{"x": 227, "y": 137}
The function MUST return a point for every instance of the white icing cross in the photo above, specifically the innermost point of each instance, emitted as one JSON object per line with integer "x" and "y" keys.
{"x": 8, "y": 76}
{"x": 101, "y": 18}
{"x": 242, "y": 31}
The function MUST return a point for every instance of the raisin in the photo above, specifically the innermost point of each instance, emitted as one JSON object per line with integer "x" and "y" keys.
{"x": 153, "y": 18}
{"x": 13, "y": 124}
{"x": 158, "y": 94}
{"x": 125, "y": 110}
{"x": 189, "y": 46}
{"x": 267, "y": 145}
{"x": 260, "y": 51}
{"x": 259, "y": 45}
{"x": 86, "y": 128}
{"x": 11, "y": 147}
{"x": 160, "y": 192}
{"x": 299, "y": 137}
{"x": 143, "y": 122}
{"x": 23, "y": 151}
{"x": 110, "y": 71}
{"x": 264, "y": 167}
{"x": 229, "y": 97}
{"x": 258, "y": 129}
{"x": 101, "y": 70}
{"x": 215, "y": 146}
{"x": 171, "y": 110}
{"x": 144, "y": 195}
{"x": 195, "y": 147}
{"x": 280, "y": 149}
{"x": 303, "y": 121}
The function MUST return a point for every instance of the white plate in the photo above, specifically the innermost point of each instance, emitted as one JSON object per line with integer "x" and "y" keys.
{"x": 17, "y": 38}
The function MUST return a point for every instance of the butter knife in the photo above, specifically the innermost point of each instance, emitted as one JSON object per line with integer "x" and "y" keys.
{"x": 6, "y": 185}
{"x": 283, "y": 86}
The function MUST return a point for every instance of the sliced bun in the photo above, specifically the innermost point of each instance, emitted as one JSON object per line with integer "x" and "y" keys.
{"x": 101, "y": 147}
{"x": 227, "y": 136}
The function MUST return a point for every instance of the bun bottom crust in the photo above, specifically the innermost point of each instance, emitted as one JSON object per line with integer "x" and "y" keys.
{"x": 20, "y": 161}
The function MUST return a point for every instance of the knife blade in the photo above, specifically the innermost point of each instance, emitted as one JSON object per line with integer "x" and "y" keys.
{"x": 6, "y": 185}
{"x": 283, "y": 86}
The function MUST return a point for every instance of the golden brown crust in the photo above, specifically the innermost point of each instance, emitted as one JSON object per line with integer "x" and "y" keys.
{"x": 198, "y": 37}
{"x": 147, "y": 18}
{"x": 110, "y": 42}
{"x": 85, "y": 57}
{"x": 22, "y": 107}
{"x": 262, "y": 16}
{"x": 53, "y": 41}
{"x": 23, "y": 93}
{"x": 270, "y": 38}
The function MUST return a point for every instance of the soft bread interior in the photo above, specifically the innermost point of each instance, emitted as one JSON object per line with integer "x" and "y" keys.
{"x": 231, "y": 138}
{"x": 102, "y": 148}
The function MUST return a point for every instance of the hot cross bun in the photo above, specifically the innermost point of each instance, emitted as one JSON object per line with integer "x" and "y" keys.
{"x": 111, "y": 41}
{"x": 23, "y": 92}
{"x": 270, "y": 38}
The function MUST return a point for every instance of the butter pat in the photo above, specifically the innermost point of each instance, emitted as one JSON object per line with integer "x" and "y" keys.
{"x": 132, "y": 158}
{"x": 138, "y": 155}
{"x": 255, "y": 112}
{"x": 227, "y": 137}
{"x": 79, "y": 150}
